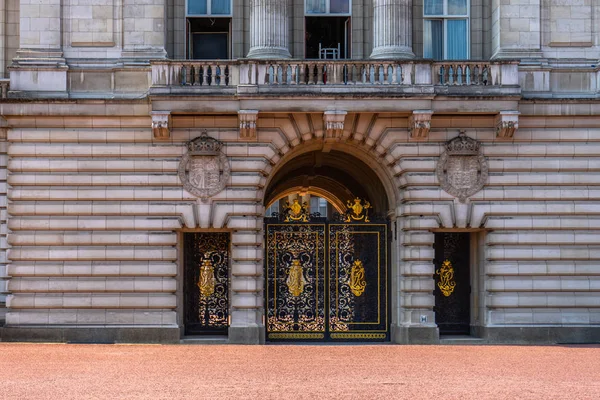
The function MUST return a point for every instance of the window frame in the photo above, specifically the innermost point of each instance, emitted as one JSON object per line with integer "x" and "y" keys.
{"x": 445, "y": 17}
{"x": 328, "y": 13}
{"x": 208, "y": 11}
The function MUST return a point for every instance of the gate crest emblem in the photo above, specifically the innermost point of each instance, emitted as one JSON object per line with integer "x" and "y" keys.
{"x": 462, "y": 169}
{"x": 204, "y": 170}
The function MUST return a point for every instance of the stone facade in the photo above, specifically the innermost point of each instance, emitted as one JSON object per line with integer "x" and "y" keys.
{"x": 97, "y": 119}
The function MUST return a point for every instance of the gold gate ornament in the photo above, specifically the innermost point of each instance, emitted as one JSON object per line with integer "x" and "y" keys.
{"x": 296, "y": 212}
{"x": 358, "y": 283}
{"x": 446, "y": 283}
{"x": 207, "y": 281}
{"x": 358, "y": 211}
{"x": 295, "y": 280}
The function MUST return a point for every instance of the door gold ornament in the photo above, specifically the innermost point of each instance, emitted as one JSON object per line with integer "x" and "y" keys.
{"x": 357, "y": 211}
{"x": 357, "y": 278}
{"x": 207, "y": 281}
{"x": 296, "y": 212}
{"x": 446, "y": 283}
{"x": 295, "y": 280}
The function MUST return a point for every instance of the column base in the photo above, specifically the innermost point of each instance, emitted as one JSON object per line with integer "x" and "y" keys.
{"x": 269, "y": 52}
{"x": 517, "y": 54}
{"x": 415, "y": 334}
{"x": 91, "y": 334}
{"x": 392, "y": 53}
{"x": 246, "y": 335}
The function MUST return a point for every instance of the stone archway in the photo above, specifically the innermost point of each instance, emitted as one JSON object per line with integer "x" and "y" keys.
{"x": 311, "y": 262}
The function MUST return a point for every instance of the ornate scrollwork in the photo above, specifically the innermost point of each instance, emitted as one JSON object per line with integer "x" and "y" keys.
{"x": 357, "y": 283}
{"x": 446, "y": 282}
{"x": 358, "y": 211}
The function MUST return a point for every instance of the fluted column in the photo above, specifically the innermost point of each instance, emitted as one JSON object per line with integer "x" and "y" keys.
{"x": 392, "y": 29}
{"x": 269, "y": 29}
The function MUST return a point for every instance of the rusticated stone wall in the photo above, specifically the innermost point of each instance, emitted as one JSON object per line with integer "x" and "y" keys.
{"x": 95, "y": 211}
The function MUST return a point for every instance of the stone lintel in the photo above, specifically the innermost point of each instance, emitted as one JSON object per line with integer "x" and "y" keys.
{"x": 334, "y": 123}
{"x": 419, "y": 124}
{"x": 161, "y": 124}
{"x": 248, "y": 120}
{"x": 507, "y": 123}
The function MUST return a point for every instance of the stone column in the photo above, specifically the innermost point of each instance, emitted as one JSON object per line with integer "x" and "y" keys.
{"x": 392, "y": 29}
{"x": 269, "y": 29}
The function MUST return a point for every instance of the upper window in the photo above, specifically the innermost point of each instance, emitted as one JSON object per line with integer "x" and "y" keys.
{"x": 322, "y": 7}
{"x": 208, "y": 7}
{"x": 446, "y": 29}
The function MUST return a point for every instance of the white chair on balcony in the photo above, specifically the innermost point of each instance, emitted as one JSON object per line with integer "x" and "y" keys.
{"x": 326, "y": 53}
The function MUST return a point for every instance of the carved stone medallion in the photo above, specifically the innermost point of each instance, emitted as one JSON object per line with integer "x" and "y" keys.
{"x": 462, "y": 169}
{"x": 204, "y": 170}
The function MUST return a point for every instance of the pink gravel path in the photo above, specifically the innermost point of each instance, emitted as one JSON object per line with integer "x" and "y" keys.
{"x": 60, "y": 371}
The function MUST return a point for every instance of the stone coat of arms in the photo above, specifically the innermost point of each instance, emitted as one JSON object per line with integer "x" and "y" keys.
{"x": 204, "y": 170}
{"x": 462, "y": 169}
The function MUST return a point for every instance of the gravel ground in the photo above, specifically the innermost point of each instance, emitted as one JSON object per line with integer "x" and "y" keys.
{"x": 67, "y": 371}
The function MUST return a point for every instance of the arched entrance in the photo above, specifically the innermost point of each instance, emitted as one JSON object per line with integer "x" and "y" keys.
{"x": 327, "y": 269}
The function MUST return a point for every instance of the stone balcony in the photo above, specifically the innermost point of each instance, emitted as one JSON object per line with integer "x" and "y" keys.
{"x": 371, "y": 78}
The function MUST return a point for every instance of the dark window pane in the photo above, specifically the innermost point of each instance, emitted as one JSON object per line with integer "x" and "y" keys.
{"x": 339, "y": 7}
{"x": 197, "y": 7}
{"x": 220, "y": 7}
{"x": 433, "y": 7}
{"x": 433, "y": 39}
{"x": 457, "y": 7}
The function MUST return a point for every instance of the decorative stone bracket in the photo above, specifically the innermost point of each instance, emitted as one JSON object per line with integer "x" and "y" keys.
{"x": 334, "y": 123}
{"x": 248, "y": 120}
{"x": 507, "y": 123}
{"x": 161, "y": 124}
{"x": 419, "y": 124}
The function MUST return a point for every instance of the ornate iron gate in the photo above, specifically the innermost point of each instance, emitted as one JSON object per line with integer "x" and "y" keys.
{"x": 326, "y": 279}
{"x": 452, "y": 277}
{"x": 206, "y": 283}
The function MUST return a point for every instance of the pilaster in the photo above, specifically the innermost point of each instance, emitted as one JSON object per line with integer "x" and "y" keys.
{"x": 39, "y": 65}
{"x": 269, "y": 29}
{"x": 392, "y": 29}
{"x": 516, "y": 29}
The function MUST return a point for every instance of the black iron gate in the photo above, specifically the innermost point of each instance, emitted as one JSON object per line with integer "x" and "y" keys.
{"x": 326, "y": 279}
{"x": 206, "y": 283}
{"x": 452, "y": 277}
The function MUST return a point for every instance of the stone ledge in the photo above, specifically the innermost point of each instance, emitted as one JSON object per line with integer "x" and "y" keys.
{"x": 90, "y": 335}
{"x": 415, "y": 335}
{"x": 541, "y": 335}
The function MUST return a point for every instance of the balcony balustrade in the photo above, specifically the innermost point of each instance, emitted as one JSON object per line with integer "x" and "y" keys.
{"x": 334, "y": 76}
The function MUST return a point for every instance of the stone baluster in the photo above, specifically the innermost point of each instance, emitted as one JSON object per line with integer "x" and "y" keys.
{"x": 392, "y": 25}
{"x": 269, "y": 26}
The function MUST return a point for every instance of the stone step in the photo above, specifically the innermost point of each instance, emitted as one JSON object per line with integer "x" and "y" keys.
{"x": 204, "y": 340}
{"x": 462, "y": 340}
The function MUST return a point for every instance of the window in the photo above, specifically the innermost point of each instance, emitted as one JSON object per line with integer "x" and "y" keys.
{"x": 316, "y": 7}
{"x": 208, "y": 7}
{"x": 318, "y": 204}
{"x": 327, "y": 29}
{"x": 446, "y": 29}
{"x": 273, "y": 208}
